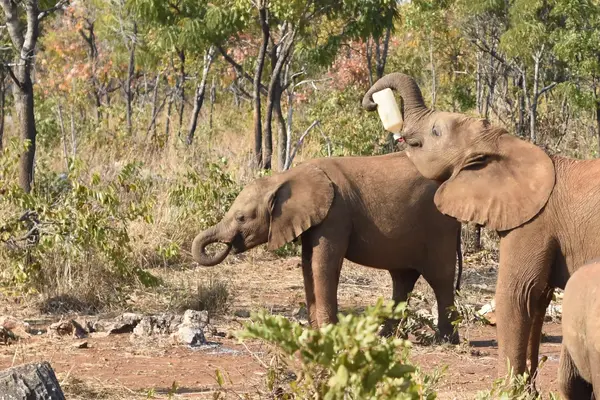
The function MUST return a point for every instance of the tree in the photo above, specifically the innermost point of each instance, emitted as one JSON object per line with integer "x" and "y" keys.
{"x": 24, "y": 34}
{"x": 578, "y": 45}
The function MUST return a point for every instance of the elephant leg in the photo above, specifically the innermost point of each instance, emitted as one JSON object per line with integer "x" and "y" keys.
{"x": 403, "y": 282}
{"x": 535, "y": 335}
{"x": 328, "y": 251}
{"x": 570, "y": 383}
{"x": 441, "y": 281}
{"x": 309, "y": 286}
{"x": 523, "y": 277}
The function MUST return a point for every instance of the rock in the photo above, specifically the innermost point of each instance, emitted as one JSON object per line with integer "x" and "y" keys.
{"x": 300, "y": 312}
{"x": 81, "y": 345}
{"x": 79, "y": 331}
{"x": 61, "y": 328}
{"x": 242, "y": 313}
{"x": 195, "y": 318}
{"x": 162, "y": 324}
{"x": 7, "y": 336}
{"x": 30, "y": 381}
{"x": 191, "y": 336}
{"x": 9, "y": 322}
{"x": 487, "y": 308}
{"x": 124, "y": 323}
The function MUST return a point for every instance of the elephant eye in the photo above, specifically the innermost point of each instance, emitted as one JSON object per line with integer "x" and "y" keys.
{"x": 435, "y": 131}
{"x": 239, "y": 217}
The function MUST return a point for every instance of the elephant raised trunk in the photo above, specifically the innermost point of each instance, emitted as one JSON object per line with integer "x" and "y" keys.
{"x": 406, "y": 87}
{"x": 205, "y": 238}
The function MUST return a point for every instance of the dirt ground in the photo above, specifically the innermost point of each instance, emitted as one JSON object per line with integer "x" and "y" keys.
{"x": 119, "y": 367}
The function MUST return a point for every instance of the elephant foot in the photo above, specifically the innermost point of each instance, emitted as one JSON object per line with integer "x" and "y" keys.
{"x": 452, "y": 338}
{"x": 390, "y": 328}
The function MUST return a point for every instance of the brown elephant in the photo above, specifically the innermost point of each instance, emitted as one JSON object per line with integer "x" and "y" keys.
{"x": 544, "y": 207}
{"x": 579, "y": 369}
{"x": 375, "y": 211}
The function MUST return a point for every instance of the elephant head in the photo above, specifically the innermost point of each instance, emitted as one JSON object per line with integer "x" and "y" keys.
{"x": 273, "y": 210}
{"x": 488, "y": 176}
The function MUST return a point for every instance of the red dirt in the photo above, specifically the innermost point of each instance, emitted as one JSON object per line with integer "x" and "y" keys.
{"x": 145, "y": 366}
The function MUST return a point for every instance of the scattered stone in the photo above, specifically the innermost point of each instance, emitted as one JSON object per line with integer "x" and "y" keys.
{"x": 122, "y": 324}
{"x": 9, "y": 322}
{"x": 242, "y": 313}
{"x": 79, "y": 331}
{"x": 30, "y": 381}
{"x": 195, "y": 318}
{"x": 7, "y": 336}
{"x": 191, "y": 336}
{"x": 300, "y": 312}
{"x": 61, "y": 328}
{"x": 162, "y": 324}
{"x": 81, "y": 345}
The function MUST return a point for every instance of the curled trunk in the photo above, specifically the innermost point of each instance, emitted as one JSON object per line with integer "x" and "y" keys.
{"x": 205, "y": 238}
{"x": 407, "y": 88}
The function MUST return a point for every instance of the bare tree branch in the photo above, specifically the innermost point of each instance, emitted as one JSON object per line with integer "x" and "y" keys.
{"x": 59, "y": 5}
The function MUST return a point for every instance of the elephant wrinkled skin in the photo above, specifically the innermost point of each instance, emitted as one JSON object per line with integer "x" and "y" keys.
{"x": 544, "y": 208}
{"x": 579, "y": 369}
{"x": 375, "y": 211}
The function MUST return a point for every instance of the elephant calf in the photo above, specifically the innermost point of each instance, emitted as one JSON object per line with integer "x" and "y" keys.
{"x": 375, "y": 211}
{"x": 579, "y": 369}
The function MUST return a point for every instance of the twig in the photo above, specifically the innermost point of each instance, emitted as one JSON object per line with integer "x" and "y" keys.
{"x": 301, "y": 140}
{"x": 261, "y": 362}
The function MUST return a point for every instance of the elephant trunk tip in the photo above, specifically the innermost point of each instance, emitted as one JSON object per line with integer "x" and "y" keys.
{"x": 199, "y": 249}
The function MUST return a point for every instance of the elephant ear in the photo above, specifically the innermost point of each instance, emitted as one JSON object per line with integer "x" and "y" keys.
{"x": 301, "y": 200}
{"x": 502, "y": 189}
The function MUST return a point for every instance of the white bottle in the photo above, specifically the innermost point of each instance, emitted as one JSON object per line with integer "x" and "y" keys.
{"x": 388, "y": 111}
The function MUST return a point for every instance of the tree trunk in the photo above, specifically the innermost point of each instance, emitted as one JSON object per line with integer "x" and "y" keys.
{"x": 200, "y": 90}
{"x": 169, "y": 111}
{"x": 130, "y": 73}
{"x": 90, "y": 39}
{"x": 381, "y": 54}
{"x": 260, "y": 62}
{"x": 433, "y": 76}
{"x": 35, "y": 381}
{"x": 597, "y": 101}
{"x": 23, "y": 97}
{"x": 154, "y": 113}
{"x": 181, "y": 89}
{"x": 369, "y": 54}
{"x": 534, "y": 100}
{"x": 213, "y": 99}
{"x": 279, "y": 58}
{"x": 281, "y": 131}
{"x": 2, "y": 110}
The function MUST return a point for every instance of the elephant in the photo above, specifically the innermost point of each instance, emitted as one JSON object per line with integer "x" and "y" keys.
{"x": 579, "y": 368}
{"x": 376, "y": 211}
{"x": 543, "y": 207}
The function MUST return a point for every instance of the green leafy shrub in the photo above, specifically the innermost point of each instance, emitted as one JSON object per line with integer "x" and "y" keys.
{"x": 348, "y": 360}
{"x": 514, "y": 387}
{"x": 70, "y": 234}
{"x": 350, "y": 130}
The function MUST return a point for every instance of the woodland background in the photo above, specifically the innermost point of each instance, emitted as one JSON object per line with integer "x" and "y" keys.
{"x": 127, "y": 126}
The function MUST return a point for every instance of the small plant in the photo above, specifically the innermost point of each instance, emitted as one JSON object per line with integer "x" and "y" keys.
{"x": 348, "y": 360}
{"x": 71, "y": 232}
{"x": 204, "y": 196}
{"x": 213, "y": 296}
{"x": 514, "y": 387}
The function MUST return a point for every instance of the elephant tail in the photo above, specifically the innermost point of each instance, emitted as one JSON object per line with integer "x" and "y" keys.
{"x": 460, "y": 259}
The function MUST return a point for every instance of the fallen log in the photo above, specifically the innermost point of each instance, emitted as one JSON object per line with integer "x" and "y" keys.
{"x": 34, "y": 381}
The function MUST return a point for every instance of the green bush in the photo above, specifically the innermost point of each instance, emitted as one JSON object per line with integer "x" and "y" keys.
{"x": 514, "y": 387}
{"x": 348, "y": 360}
{"x": 350, "y": 129}
{"x": 70, "y": 234}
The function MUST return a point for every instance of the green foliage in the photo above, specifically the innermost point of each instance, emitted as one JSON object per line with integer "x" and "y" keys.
{"x": 348, "y": 360}
{"x": 70, "y": 226}
{"x": 514, "y": 387}
{"x": 344, "y": 123}
{"x": 204, "y": 196}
